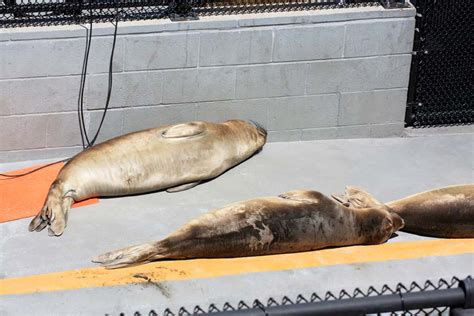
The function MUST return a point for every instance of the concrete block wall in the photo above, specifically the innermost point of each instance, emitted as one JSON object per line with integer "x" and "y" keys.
{"x": 320, "y": 74}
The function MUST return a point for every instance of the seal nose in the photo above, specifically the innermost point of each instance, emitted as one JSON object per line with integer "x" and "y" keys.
{"x": 398, "y": 222}
{"x": 260, "y": 129}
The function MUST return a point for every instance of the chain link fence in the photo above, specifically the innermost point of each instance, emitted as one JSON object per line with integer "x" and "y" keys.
{"x": 441, "y": 81}
{"x": 398, "y": 289}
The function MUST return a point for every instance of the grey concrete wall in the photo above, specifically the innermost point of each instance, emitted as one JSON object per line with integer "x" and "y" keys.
{"x": 337, "y": 73}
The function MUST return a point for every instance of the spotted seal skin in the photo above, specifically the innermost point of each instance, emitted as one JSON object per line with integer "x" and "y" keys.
{"x": 446, "y": 212}
{"x": 292, "y": 222}
{"x": 175, "y": 157}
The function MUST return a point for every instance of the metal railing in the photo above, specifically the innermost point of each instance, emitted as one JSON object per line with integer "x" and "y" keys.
{"x": 430, "y": 298}
{"x": 15, "y": 13}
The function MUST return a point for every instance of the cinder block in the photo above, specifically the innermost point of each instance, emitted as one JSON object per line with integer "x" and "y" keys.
{"x": 36, "y": 154}
{"x": 270, "y": 81}
{"x": 204, "y": 23}
{"x": 319, "y": 133}
{"x": 387, "y": 130}
{"x": 140, "y": 118}
{"x": 37, "y": 58}
{"x": 112, "y": 126}
{"x": 161, "y": 51}
{"x": 303, "y": 112}
{"x": 255, "y": 110}
{"x": 309, "y": 42}
{"x": 128, "y": 89}
{"x": 49, "y": 32}
{"x": 358, "y": 13}
{"x": 379, "y": 37}
{"x": 380, "y": 106}
{"x": 358, "y": 74}
{"x": 284, "y": 136}
{"x": 23, "y": 132}
{"x": 235, "y": 47}
{"x": 39, "y": 95}
{"x": 354, "y": 131}
{"x": 63, "y": 130}
{"x": 273, "y": 18}
{"x": 203, "y": 84}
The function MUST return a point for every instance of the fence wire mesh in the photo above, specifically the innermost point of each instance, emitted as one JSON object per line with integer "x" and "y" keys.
{"x": 441, "y": 87}
{"x": 16, "y": 13}
{"x": 399, "y": 288}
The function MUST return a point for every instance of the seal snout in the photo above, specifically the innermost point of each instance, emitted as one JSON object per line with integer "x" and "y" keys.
{"x": 398, "y": 222}
{"x": 260, "y": 129}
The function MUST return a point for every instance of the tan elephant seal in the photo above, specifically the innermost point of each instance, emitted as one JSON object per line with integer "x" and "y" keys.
{"x": 174, "y": 157}
{"x": 292, "y": 222}
{"x": 445, "y": 212}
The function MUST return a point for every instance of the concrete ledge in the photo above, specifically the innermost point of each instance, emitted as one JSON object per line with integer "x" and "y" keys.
{"x": 210, "y": 23}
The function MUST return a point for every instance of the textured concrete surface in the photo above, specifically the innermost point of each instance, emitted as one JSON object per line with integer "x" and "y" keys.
{"x": 285, "y": 62}
{"x": 388, "y": 168}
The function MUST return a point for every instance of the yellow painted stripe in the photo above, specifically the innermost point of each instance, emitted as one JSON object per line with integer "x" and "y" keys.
{"x": 208, "y": 268}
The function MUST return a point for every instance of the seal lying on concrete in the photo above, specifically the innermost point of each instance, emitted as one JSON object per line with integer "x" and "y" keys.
{"x": 445, "y": 212}
{"x": 292, "y": 222}
{"x": 174, "y": 157}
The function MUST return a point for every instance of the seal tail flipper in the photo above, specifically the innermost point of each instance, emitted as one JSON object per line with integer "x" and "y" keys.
{"x": 54, "y": 212}
{"x": 131, "y": 256}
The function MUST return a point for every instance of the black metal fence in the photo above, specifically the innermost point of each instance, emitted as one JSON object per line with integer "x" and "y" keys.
{"x": 15, "y": 13}
{"x": 441, "y": 81}
{"x": 430, "y": 298}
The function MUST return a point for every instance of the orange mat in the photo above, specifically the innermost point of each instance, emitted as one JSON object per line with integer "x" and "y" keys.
{"x": 24, "y": 196}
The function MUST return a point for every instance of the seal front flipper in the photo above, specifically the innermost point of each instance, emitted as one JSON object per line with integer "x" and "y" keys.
{"x": 183, "y": 187}
{"x": 357, "y": 198}
{"x": 302, "y": 196}
{"x": 184, "y": 130}
{"x": 341, "y": 198}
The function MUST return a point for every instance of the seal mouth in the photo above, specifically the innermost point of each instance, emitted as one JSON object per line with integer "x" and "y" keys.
{"x": 260, "y": 129}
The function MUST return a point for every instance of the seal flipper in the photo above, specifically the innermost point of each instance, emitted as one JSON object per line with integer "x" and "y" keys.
{"x": 54, "y": 212}
{"x": 302, "y": 196}
{"x": 131, "y": 256}
{"x": 357, "y": 198}
{"x": 341, "y": 198}
{"x": 183, "y": 187}
{"x": 184, "y": 130}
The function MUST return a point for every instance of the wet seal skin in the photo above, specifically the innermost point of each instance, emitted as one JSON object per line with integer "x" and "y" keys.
{"x": 446, "y": 212}
{"x": 176, "y": 158}
{"x": 294, "y": 221}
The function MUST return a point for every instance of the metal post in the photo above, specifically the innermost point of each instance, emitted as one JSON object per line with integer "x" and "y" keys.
{"x": 462, "y": 296}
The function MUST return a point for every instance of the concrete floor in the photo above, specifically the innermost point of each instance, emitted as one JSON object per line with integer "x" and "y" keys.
{"x": 388, "y": 168}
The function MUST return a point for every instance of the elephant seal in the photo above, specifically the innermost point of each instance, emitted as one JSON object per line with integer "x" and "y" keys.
{"x": 446, "y": 212}
{"x": 292, "y": 222}
{"x": 175, "y": 157}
